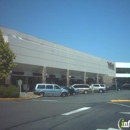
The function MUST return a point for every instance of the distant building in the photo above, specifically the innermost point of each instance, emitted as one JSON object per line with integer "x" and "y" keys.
{"x": 123, "y": 72}
{"x": 39, "y": 60}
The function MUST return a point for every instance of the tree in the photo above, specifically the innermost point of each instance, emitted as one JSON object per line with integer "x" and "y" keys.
{"x": 6, "y": 58}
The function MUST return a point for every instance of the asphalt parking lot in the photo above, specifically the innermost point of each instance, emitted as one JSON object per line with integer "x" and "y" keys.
{"x": 90, "y": 112}
{"x": 119, "y": 96}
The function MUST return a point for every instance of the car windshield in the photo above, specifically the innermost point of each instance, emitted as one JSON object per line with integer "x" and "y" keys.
{"x": 72, "y": 87}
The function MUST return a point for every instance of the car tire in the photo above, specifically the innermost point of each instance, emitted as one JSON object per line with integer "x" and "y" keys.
{"x": 118, "y": 89}
{"x": 42, "y": 94}
{"x": 100, "y": 91}
{"x": 74, "y": 94}
{"x": 85, "y": 92}
{"x": 68, "y": 94}
{"x": 63, "y": 94}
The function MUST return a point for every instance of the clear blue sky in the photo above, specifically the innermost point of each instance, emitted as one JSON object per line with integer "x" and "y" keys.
{"x": 97, "y": 27}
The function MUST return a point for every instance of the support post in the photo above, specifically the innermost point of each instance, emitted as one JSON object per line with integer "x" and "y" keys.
{"x": 84, "y": 77}
{"x": 68, "y": 78}
{"x": 97, "y": 78}
{"x": 44, "y": 75}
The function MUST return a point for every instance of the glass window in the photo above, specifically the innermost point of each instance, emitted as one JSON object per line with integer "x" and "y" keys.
{"x": 76, "y": 86}
{"x": 84, "y": 86}
{"x": 87, "y": 86}
{"x": 123, "y": 70}
{"x": 49, "y": 86}
{"x": 56, "y": 87}
{"x": 96, "y": 85}
{"x": 41, "y": 86}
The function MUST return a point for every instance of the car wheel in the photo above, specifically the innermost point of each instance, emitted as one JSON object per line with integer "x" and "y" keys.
{"x": 74, "y": 94}
{"x": 42, "y": 94}
{"x": 100, "y": 91}
{"x": 85, "y": 92}
{"x": 68, "y": 94}
{"x": 63, "y": 94}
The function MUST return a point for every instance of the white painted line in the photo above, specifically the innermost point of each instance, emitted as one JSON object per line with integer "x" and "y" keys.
{"x": 119, "y": 104}
{"x": 50, "y": 100}
{"x": 125, "y": 112}
{"x": 112, "y": 129}
{"x": 108, "y": 129}
{"x": 101, "y": 129}
{"x": 75, "y": 111}
{"x": 45, "y": 100}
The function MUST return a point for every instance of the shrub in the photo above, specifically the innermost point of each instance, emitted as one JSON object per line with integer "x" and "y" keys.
{"x": 9, "y": 92}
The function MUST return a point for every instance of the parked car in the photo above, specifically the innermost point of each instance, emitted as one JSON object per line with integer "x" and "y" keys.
{"x": 126, "y": 86}
{"x": 50, "y": 90}
{"x": 72, "y": 90}
{"x": 83, "y": 88}
{"x": 98, "y": 87}
{"x": 114, "y": 87}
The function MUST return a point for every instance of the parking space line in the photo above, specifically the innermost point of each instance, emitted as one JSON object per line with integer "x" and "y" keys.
{"x": 108, "y": 129}
{"x": 45, "y": 100}
{"x": 76, "y": 111}
{"x": 50, "y": 100}
{"x": 119, "y": 104}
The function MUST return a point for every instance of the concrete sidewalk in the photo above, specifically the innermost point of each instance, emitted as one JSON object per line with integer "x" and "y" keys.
{"x": 28, "y": 95}
{"x": 23, "y": 96}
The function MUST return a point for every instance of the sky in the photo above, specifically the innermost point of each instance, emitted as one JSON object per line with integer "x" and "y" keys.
{"x": 96, "y": 27}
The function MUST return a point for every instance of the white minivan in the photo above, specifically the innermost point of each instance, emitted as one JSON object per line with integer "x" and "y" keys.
{"x": 83, "y": 88}
{"x": 98, "y": 87}
{"x": 44, "y": 89}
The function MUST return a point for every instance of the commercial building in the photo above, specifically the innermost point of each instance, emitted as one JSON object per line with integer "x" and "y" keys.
{"x": 43, "y": 61}
{"x": 123, "y": 72}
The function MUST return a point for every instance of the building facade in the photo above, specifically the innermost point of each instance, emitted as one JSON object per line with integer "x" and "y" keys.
{"x": 123, "y": 72}
{"x": 43, "y": 61}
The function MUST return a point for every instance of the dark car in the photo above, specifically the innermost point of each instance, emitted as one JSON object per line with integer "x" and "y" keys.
{"x": 72, "y": 90}
{"x": 126, "y": 86}
{"x": 114, "y": 87}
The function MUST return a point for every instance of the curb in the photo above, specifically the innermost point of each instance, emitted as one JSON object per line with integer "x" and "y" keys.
{"x": 120, "y": 100}
{"x": 17, "y": 99}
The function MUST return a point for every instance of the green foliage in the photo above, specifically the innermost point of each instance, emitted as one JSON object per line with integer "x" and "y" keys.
{"x": 6, "y": 58}
{"x": 9, "y": 92}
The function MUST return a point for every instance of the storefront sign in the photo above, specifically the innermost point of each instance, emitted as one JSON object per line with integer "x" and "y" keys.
{"x": 110, "y": 64}
{"x": 37, "y": 74}
{"x": 18, "y": 73}
{"x": 52, "y": 76}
